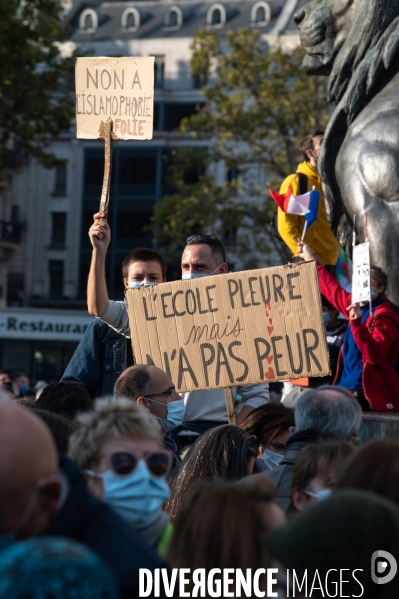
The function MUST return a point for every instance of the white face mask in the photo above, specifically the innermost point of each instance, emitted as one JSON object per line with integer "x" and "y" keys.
{"x": 271, "y": 458}
{"x": 198, "y": 275}
{"x": 137, "y": 284}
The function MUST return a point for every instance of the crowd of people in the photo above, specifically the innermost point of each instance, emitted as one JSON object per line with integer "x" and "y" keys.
{"x": 93, "y": 491}
{"x": 111, "y": 471}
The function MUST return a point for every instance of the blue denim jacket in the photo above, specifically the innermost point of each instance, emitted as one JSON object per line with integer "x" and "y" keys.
{"x": 99, "y": 359}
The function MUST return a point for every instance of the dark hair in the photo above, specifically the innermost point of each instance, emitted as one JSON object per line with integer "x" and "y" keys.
{"x": 61, "y": 428}
{"x": 379, "y": 276}
{"x": 315, "y": 459}
{"x": 218, "y": 527}
{"x": 221, "y": 452}
{"x": 143, "y": 255}
{"x": 308, "y": 142}
{"x": 16, "y": 375}
{"x": 132, "y": 382}
{"x": 67, "y": 398}
{"x": 374, "y": 467}
{"x": 268, "y": 421}
{"x": 217, "y": 247}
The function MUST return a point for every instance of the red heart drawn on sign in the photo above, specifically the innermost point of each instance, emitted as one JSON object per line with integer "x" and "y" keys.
{"x": 270, "y": 321}
{"x": 269, "y": 359}
{"x": 267, "y": 313}
{"x": 270, "y": 329}
{"x": 267, "y": 305}
{"x": 270, "y": 373}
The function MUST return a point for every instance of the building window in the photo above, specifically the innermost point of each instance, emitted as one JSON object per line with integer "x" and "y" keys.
{"x": 56, "y": 279}
{"x": 130, "y": 19}
{"x": 232, "y": 175}
{"x": 60, "y": 182}
{"x": 58, "y": 229}
{"x": 260, "y": 14}
{"x": 88, "y": 21}
{"x": 174, "y": 113}
{"x": 159, "y": 72}
{"x": 137, "y": 174}
{"x": 173, "y": 18}
{"x": 216, "y": 16}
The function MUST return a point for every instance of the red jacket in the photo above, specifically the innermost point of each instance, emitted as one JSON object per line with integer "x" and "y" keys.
{"x": 378, "y": 341}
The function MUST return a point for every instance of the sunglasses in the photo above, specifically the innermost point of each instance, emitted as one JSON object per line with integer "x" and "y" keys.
{"x": 159, "y": 463}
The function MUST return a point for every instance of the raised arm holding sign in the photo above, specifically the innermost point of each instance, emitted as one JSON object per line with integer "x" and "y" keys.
{"x": 370, "y": 353}
{"x": 114, "y": 100}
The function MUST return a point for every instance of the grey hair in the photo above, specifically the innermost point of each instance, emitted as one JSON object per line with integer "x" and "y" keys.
{"x": 330, "y": 411}
{"x": 110, "y": 419}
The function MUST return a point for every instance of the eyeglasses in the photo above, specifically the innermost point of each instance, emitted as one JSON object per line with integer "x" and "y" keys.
{"x": 170, "y": 392}
{"x": 202, "y": 238}
{"x": 159, "y": 463}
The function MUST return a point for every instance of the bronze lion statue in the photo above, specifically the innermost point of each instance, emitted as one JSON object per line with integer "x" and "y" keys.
{"x": 356, "y": 43}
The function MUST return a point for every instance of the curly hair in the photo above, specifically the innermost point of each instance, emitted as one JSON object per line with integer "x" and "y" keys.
{"x": 110, "y": 419}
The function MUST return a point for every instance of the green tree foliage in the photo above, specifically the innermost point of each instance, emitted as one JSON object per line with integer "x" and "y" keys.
{"x": 36, "y": 80}
{"x": 259, "y": 105}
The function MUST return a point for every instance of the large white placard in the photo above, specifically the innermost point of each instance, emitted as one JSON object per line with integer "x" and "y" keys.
{"x": 361, "y": 273}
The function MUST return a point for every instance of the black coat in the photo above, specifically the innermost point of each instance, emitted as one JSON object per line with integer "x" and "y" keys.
{"x": 94, "y": 524}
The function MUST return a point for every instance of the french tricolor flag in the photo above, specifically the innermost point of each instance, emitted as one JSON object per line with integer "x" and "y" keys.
{"x": 306, "y": 205}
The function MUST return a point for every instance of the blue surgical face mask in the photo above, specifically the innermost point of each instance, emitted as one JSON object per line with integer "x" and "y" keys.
{"x": 23, "y": 389}
{"x": 326, "y": 319}
{"x": 137, "y": 497}
{"x": 319, "y": 495}
{"x": 373, "y": 293}
{"x": 174, "y": 413}
{"x": 137, "y": 284}
{"x": 198, "y": 275}
{"x": 271, "y": 458}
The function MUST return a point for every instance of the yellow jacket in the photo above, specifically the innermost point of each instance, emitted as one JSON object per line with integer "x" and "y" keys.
{"x": 319, "y": 236}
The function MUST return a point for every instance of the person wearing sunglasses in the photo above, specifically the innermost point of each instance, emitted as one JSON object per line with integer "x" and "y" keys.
{"x": 119, "y": 447}
{"x": 203, "y": 256}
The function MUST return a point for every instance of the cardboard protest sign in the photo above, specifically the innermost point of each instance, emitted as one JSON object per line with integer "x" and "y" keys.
{"x": 232, "y": 329}
{"x": 118, "y": 88}
{"x": 361, "y": 273}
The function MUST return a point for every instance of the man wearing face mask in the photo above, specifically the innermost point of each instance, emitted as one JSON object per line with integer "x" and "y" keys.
{"x": 370, "y": 353}
{"x": 151, "y": 387}
{"x": 103, "y": 353}
{"x": 290, "y": 226}
{"x": 203, "y": 256}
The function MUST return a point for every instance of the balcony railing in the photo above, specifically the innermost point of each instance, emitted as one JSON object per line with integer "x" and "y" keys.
{"x": 10, "y": 232}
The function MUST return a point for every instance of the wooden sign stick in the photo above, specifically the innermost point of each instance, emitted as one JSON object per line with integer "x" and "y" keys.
{"x": 228, "y": 395}
{"x": 106, "y": 133}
